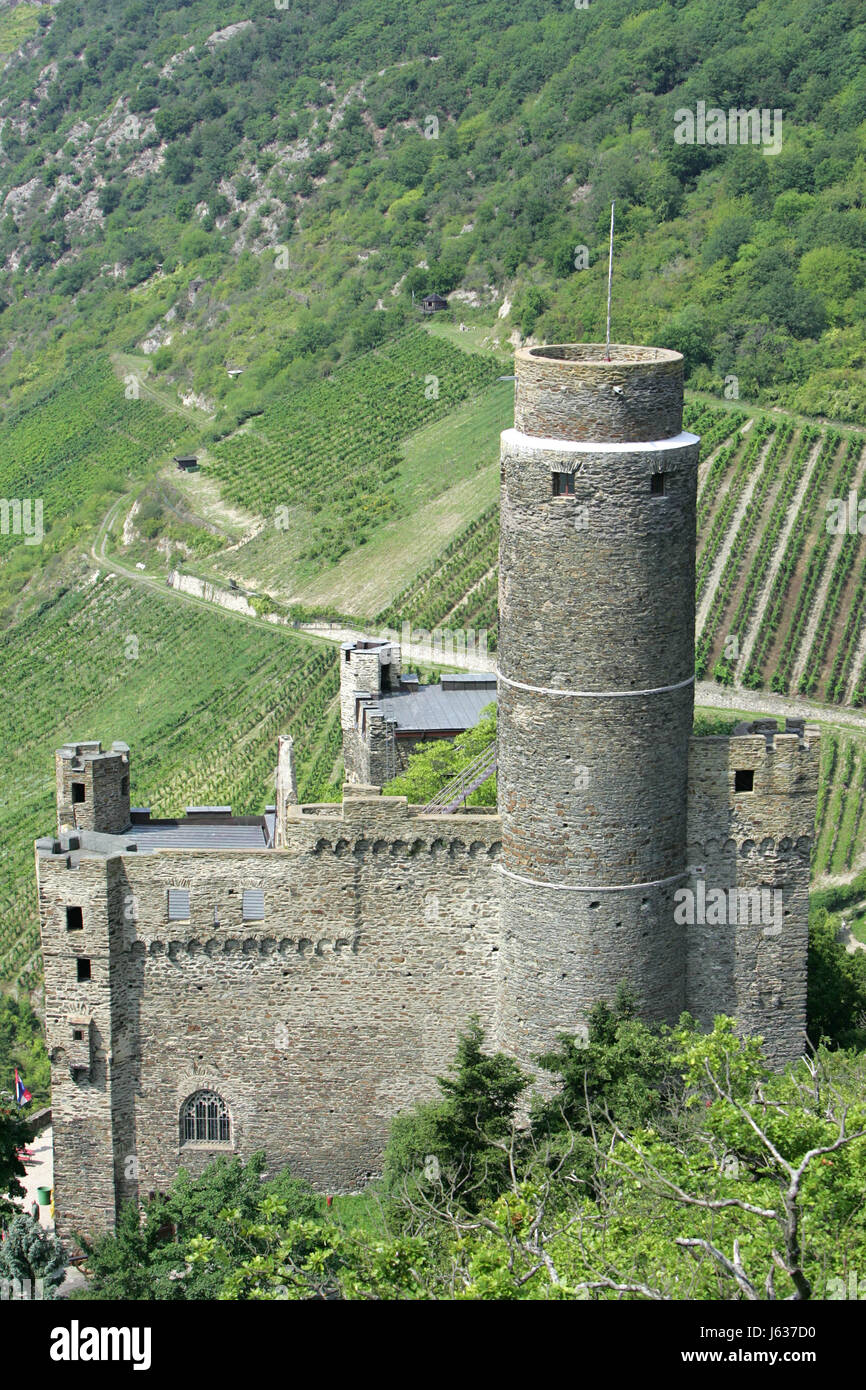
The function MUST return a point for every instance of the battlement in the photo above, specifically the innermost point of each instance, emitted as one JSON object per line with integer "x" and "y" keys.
{"x": 757, "y": 772}
{"x": 92, "y": 787}
{"x": 576, "y": 391}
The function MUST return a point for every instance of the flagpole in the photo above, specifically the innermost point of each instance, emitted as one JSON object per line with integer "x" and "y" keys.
{"x": 609, "y": 283}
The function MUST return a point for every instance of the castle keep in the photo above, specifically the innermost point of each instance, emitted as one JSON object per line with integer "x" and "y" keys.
{"x": 288, "y": 982}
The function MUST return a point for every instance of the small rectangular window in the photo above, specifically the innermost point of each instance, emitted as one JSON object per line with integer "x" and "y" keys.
{"x": 77, "y": 1035}
{"x": 254, "y": 904}
{"x": 83, "y": 968}
{"x": 178, "y": 904}
{"x": 78, "y": 793}
{"x": 74, "y": 919}
{"x": 657, "y": 484}
{"x": 563, "y": 484}
{"x": 744, "y": 780}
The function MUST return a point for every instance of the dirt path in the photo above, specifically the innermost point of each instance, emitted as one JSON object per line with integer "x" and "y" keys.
{"x": 159, "y": 586}
{"x": 766, "y": 702}
{"x": 422, "y": 652}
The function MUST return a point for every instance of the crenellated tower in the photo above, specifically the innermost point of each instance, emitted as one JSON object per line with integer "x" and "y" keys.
{"x": 92, "y": 787}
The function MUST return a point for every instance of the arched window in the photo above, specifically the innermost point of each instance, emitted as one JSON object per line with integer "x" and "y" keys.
{"x": 205, "y": 1119}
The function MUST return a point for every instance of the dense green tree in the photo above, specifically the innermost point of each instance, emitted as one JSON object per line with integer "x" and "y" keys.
{"x": 22, "y": 1046}
{"x": 14, "y": 1136}
{"x": 145, "y": 1256}
{"x": 433, "y": 764}
{"x": 746, "y": 1186}
{"x": 460, "y": 1142}
{"x": 29, "y": 1254}
{"x": 837, "y": 985}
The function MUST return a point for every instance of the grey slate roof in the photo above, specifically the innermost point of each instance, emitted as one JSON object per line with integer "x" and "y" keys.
{"x": 430, "y": 709}
{"x": 195, "y": 835}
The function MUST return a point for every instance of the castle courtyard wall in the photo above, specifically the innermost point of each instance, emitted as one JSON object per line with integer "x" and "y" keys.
{"x": 316, "y": 1025}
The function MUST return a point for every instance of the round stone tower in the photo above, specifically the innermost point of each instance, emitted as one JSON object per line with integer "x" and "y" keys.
{"x": 596, "y": 685}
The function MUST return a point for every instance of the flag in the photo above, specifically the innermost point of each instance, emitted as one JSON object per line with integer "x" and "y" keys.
{"x": 22, "y": 1095}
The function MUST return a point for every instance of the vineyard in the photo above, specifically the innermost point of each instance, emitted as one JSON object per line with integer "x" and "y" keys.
{"x": 459, "y": 590}
{"x": 199, "y": 699}
{"x": 841, "y": 805}
{"x": 781, "y": 594}
{"x": 332, "y": 448}
{"x": 77, "y": 442}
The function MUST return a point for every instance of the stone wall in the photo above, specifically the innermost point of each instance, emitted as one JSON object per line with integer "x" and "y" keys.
{"x": 751, "y": 840}
{"x": 316, "y": 1025}
{"x": 569, "y": 391}
{"x": 82, "y": 1073}
{"x": 104, "y": 780}
{"x": 368, "y": 668}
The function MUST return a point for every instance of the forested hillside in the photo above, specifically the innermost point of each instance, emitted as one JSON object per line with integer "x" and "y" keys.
{"x": 245, "y": 183}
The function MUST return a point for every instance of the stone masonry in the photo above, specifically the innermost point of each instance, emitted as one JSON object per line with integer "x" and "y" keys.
{"x": 305, "y": 973}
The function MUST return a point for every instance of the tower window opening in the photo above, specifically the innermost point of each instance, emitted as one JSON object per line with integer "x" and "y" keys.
{"x": 78, "y": 793}
{"x": 563, "y": 484}
{"x": 74, "y": 919}
{"x": 744, "y": 780}
{"x": 658, "y": 484}
{"x": 77, "y": 1035}
{"x": 124, "y": 786}
{"x": 83, "y": 968}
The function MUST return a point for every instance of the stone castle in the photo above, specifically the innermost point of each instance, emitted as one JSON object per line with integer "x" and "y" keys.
{"x": 288, "y": 982}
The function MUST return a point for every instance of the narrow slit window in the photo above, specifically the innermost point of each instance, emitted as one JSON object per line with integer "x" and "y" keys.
{"x": 74, "y": 919}
{"x": 82, "y": 966}
{"x": 563, "y": 484}
{"x": 658, "y": 484}
{"x": 744, "y": 780}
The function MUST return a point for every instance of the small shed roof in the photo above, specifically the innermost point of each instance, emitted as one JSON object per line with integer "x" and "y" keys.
{"x": 447, "y": 709}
